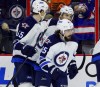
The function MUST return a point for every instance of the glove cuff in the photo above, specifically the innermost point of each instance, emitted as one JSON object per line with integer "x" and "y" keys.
{"x": 18, "y": 46}
{"x": 28, "y": 51}
{"x": 51, "y": 69}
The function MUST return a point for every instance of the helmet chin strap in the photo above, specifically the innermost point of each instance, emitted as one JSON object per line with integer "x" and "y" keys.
{"x": 62, "y": 36}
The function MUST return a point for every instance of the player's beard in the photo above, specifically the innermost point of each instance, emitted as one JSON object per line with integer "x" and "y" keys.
{"x": 68, "y": 38}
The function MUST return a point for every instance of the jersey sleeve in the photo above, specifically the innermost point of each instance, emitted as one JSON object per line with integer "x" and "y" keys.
{"x": 35, "y": 34}
{"x": 23, "y": 29}
{"x": 26, "y": 39}
{"x": 44, "y": 60}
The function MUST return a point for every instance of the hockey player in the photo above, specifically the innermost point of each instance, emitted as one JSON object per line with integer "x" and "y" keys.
{"x": 66, "y": 12}
{"x": 33, "y": 23}
{"x": 96, "y": 60}
{"x": 57, "y": 56}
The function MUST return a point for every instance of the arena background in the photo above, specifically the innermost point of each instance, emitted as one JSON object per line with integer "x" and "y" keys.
{"x": 81, "y": 80}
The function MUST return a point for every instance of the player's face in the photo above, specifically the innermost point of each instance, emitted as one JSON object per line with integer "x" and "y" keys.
{"x": 67, "y": 16}
{"x": 68, "y": 34}
{"x": 79, "y": 8}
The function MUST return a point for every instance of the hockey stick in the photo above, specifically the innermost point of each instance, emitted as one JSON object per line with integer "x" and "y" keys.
{"x": 20, "y": 67}
{"x": 83, "y": 62}
{"x": 15, "y": 82}
{"x": 16, "y": 73}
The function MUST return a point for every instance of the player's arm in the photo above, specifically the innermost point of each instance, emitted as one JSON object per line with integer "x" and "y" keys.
{"x": 72, "y": 66}
{"x": 43, "y": 59}
{"x": 23, "y": 35}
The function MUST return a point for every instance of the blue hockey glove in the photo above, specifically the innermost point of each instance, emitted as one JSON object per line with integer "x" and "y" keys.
{"x": 72, "y": 69}
{"x": 28, "y": 51}
{"x": 56, "y": 73}
{"x": 18, "y": 46}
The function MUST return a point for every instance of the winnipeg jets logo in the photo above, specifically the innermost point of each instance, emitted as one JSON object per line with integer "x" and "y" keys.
{"x": 61, "y": 58}
{"x": 16, "y": 11}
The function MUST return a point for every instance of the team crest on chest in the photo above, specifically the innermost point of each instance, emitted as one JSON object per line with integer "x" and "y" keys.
{"x": 61, "y": 58}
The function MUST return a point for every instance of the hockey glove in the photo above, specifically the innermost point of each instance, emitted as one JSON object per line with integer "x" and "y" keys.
{"x": 28, "y": 51}
{"x": 18, "y": 46}
{"x": 56, "y": 73}
{"x": 72, "y": 69}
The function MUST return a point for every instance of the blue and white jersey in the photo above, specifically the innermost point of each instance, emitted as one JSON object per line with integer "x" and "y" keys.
{"x": 32, "y": 37}
{"x": 96, "y": 52}
{"x": 51, "y": 26}
{"x": 57, "y": 54}
{"x": 50, "y": 30}
{"x": 28, "y": 33}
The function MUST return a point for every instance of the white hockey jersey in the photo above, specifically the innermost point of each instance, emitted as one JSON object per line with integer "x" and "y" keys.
{"x": 28, "y": 33}
{"x": 57, "y": 54}
{"x": 33, "y": 35}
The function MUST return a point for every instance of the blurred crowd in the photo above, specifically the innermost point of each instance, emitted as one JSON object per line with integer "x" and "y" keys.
{"x": 13, "y": 11}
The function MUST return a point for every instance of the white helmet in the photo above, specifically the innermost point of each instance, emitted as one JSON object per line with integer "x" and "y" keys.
{"x": 64, "y": 24}
{"x": 67, "y": 9}
{"x": 39, "y": 5}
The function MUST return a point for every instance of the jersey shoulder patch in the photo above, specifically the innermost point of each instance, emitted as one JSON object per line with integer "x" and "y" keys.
{"x": 27, "y": 23}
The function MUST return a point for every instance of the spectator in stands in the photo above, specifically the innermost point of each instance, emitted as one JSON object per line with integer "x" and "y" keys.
{"x": 84, "y": 23}
{"x": 11, "y": 12}
{"x": 6, "y": 43}
{"x": 55, "y": 5}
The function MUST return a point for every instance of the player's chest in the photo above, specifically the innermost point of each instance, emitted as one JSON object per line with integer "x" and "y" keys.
{"x": 62, "y": 47}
